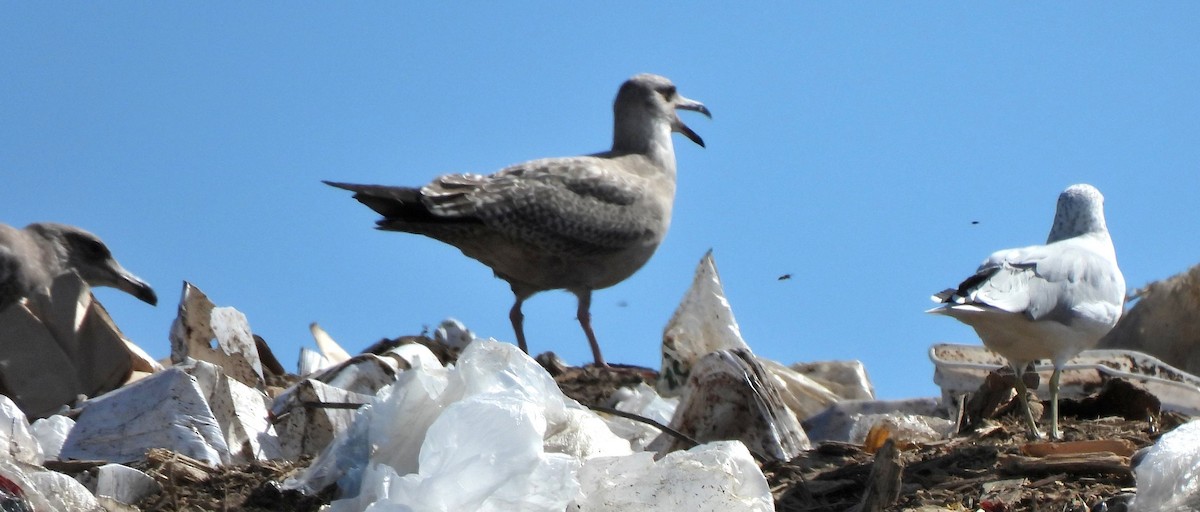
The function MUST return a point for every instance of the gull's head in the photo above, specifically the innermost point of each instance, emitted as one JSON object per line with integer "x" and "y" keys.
{"x": 84, "y": 253}
{"x": 1080, "y": 210}
{"x": 648, "y": 100}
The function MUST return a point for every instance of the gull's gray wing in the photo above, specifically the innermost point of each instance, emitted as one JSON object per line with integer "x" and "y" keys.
{"x": 576, "y": 206}
{"x": 1062, "y": 281}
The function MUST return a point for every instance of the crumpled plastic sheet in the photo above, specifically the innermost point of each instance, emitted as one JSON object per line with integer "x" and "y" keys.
{"x": 714, "y": 476}
{"x": 495, "y": 433}
{"x": 1168, "y": 477}
{"x": 16, "y": 440}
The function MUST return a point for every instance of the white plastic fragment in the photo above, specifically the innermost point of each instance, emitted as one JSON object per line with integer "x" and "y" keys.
{"x": 122, "y": 484}
{"x": 16, "y": 440}
{"x": 63, "y": 492}
{"x": 453, "y": 333}
{"x": 837, "y": 422}
{"x": 330, "y": 349}
{"x": 364, "y": 374}
{"x": 309, "y": 415}
{"x": 702, "y": 323}
{"x": 474, "y": 442}
{"x": 200, "y": 322}
{"x": 846, "y": 379}
{"x": 311, "y": 362}
{"x": 51, "y": 433}
{"x": 16, "y": 489}
{"x": 414, "y": 355}
{"x": 584, "y": 435}
{"x": 242, "y": 413}
{"x": 1167, "y": 475}
{"x": 644, "y": 401}
{"x": 912, "y": 428}
{"x": 166, "y": 410}
{"x": 804, "y": 396}
{"x": 730, "y": 396}
{"x": 714, "y": 476}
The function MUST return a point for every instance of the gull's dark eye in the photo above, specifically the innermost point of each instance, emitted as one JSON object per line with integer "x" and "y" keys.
{"x": 668, "y": 92}
{"x": 91, "y": 248}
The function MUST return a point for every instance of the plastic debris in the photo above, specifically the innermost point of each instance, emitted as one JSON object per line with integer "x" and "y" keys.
{"x": 453, "y": 333}
{"x": 962, "y": 369}
{"x": 1163, "y": 322}
{"x": 119, "y": 483}
{"x": 165, "y": 410}
{"x": 1167, "y": 475}
{"x": 309, "y": 414}
{"x": 67, "y": 330}
{"x": 804, "y": 396}
{"x": 702, "y": 323}
{"x": 51, "y": 433}
{"x": 729, "y": 396}
{"x": 330, "y": 349}
{"x": 16, "y": 440}
{"x": 63, "y": 492}
{"x": 200, "y": 322}
{"x": 905, "y": 429}
{"x": 846, "y": 379}
{"x": 645, "y": 402}
{"x": 714, "y": 476}
{"x": 837, "y": 423}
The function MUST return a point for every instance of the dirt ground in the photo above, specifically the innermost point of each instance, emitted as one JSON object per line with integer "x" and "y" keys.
{"x": 986, "y": 467}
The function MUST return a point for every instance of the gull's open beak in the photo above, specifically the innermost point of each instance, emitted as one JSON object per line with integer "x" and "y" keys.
{"x": 695, "y": 106}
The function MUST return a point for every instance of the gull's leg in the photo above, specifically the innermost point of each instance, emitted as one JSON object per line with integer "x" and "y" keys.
{"x": 1054, "y": 432}
{"x": 1021, "y": 392}
{"x": 584, "y": 315}
{"x": 518, "y": 320}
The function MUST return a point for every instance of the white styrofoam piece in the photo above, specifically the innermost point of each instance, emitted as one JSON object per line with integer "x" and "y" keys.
{"x": 165, "y": 410}
{"x": 416, "y": 355}
{"x": 846, "y": 379}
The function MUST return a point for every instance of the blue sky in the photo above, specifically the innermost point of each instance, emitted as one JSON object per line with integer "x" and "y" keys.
{"x": 852, "y": 146}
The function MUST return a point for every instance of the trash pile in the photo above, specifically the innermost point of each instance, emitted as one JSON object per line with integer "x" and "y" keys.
{"x": 455, "y": 422}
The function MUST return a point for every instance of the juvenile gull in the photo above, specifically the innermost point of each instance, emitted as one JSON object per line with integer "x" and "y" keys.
{"x": 1046, "y": 301}
{"x": 32, "y": 257}
{"x": 578, "y": 223}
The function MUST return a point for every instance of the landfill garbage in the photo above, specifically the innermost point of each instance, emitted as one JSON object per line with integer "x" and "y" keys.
{"x": 643, "y": 401}
{"x": 714, "y": 476}
{"x": 1164, "y": 322}
{"x": 1167, "y": 474}
{"x": 17, "y": 442}
{"x": 121, "y": 484}
{"x": 960, "y": 369}
{"x": 165, "y": 410}
{"x": 702, "y": 323}
{"x": 200, "y": 323}
{"x": 840, "y": 421}
{"x": 51, "y": 433}
{"x": 492, "y": 433}
{"x": 846, "y": 379}
{"x": 730, "y": 396}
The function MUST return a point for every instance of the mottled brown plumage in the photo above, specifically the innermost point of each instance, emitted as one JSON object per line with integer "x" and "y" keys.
{"x": 578, "y": 223}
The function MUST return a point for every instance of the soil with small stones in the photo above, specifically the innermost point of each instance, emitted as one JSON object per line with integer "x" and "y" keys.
{"x": 971, "y": 471}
